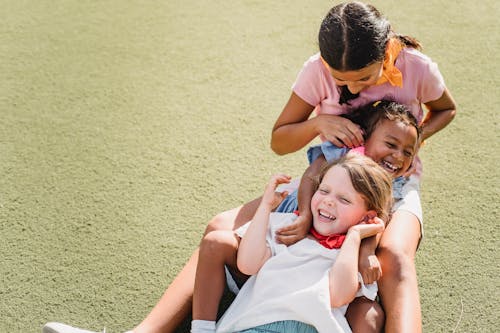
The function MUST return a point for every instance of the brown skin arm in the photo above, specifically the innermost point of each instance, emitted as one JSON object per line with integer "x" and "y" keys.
{"x": 292, "y": 129}
{"x": 440, "y": 113}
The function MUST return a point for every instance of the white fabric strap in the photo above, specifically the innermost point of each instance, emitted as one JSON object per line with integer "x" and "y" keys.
{"x": 202, "y": 326}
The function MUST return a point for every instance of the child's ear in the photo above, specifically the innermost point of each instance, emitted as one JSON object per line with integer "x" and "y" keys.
{"x": 370, "y": 215}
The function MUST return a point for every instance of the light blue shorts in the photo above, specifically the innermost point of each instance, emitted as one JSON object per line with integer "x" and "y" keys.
{"x": 289, "y": 204}
{"x": 286, "y": 326}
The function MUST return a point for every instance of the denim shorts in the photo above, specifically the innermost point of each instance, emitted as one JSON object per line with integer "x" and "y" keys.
{"x": 289, "y": 204}
{"x": 285, "y": 326}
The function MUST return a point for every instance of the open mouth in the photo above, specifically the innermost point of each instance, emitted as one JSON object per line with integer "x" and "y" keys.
{"x": 389, "y": 167}
{"x": 326, "y": 217}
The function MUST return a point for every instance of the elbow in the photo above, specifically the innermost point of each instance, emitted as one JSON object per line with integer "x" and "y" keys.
{"x": 246, "y": 268}
{"x": 277, "y": 148}
{"x": 278, "y": 152}
{"x": 453, "y": 113}
{"x": 344, "y": 295}
{"x": 337, "y": 302}
{"x": 280, "y": 144}
{"x": 450, "y": 113}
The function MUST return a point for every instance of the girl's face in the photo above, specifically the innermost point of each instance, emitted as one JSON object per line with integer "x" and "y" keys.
{"x": 336, "y": 205}
{"x": 392, "y": 145}
{"x": 357, "y": 80}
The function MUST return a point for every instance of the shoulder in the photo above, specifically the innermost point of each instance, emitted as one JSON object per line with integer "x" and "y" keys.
{"x": 311, "y": 69}
{"x": 413, "y": 59}
{"x": 313, "y": 61}
{"x": 314, "y": 83}
{"x": 421, "y": 73}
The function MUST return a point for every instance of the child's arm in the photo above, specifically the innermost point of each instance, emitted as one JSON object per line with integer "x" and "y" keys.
{"x": 369, "y": 267}
{"x": 344, "y": 273}
{"x": 299, "y": 229}
{"x": 253, "y": 251}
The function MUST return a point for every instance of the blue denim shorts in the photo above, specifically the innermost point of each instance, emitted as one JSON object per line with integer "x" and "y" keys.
{"x": 289, "y": 204}
{"x": 285, "y": 326}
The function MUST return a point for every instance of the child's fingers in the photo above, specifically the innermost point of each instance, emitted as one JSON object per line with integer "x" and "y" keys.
{"x": 374, "y": 220}
{"x": 377, "y": 220}
{"x": 368, "y": 229}
{"x": 280, "y": 178}
{"x": 288, "y": 230}
{"x": 275, "y": 181}
{"x": 288, "y": 239}
{"x": 283, "y": 178}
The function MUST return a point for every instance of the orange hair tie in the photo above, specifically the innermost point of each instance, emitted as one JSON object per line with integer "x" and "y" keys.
{"x": 390, "y": 72}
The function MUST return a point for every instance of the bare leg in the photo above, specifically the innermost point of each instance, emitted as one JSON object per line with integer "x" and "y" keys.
{"x": 176, "y": 302}
{"x": 398, "y": 286}
{"x": 365, "y": 316}
{"x": 217, "y": 249}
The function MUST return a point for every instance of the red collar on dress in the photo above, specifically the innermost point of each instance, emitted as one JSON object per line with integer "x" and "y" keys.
{"x": 330, "y": 242}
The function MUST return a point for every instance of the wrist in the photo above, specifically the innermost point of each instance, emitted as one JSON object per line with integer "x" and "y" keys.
{"x": 368, "y": 246}
{"x": 354, "y": 234}
{"x": 317, "y": 123}
{"x": 305, "y": 212}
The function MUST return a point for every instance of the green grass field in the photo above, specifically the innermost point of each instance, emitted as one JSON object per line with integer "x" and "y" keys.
{"x": 126, "y": 125}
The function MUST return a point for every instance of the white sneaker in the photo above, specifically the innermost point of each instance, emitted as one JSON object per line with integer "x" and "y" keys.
{"x": 63, "y": 328}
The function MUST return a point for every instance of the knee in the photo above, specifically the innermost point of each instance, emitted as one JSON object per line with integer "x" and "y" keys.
{"x": 218, "y": 243}
{"x": 396, "y": 263}
{"x": 219, "y": 222}
{"x": 364, "y": 315}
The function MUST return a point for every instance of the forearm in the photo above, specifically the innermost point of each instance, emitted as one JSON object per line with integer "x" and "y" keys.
{"x": 344, "y": 273}
{"x": 289, "y": 138}
{"x": 253, "y": 250}
{"x": 369, "y": 245}
{"x": 441, "y": 113}
{"x": 307, "y": 186}
{"x": 436, "y": 121}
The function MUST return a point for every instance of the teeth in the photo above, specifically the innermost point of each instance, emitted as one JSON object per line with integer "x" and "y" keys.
{"x": 326, "y": 215}
{"x": 390, "y": 166}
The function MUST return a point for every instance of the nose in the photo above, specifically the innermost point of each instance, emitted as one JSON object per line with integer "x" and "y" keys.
{"x": 330, "y": 202}
{"x": 354, "y": 87}
{"x": 398, "y": 154}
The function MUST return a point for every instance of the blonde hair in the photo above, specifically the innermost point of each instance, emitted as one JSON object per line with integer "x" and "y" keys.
{"x": 368, "y": 179}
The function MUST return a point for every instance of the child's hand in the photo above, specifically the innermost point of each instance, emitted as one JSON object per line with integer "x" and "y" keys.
{"x": 369, "y": 267}
{"x": 270, "y": 196}
{"x": 293, "y": 233}
{"x": 371, "y": 226}
{"x": 340, "y": 131}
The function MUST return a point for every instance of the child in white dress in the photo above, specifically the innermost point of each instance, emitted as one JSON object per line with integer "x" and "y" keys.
{"x": 305, "y": 287}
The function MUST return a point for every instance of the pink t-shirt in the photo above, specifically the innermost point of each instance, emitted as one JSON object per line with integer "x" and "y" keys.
{"x": 422, "y": 83}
